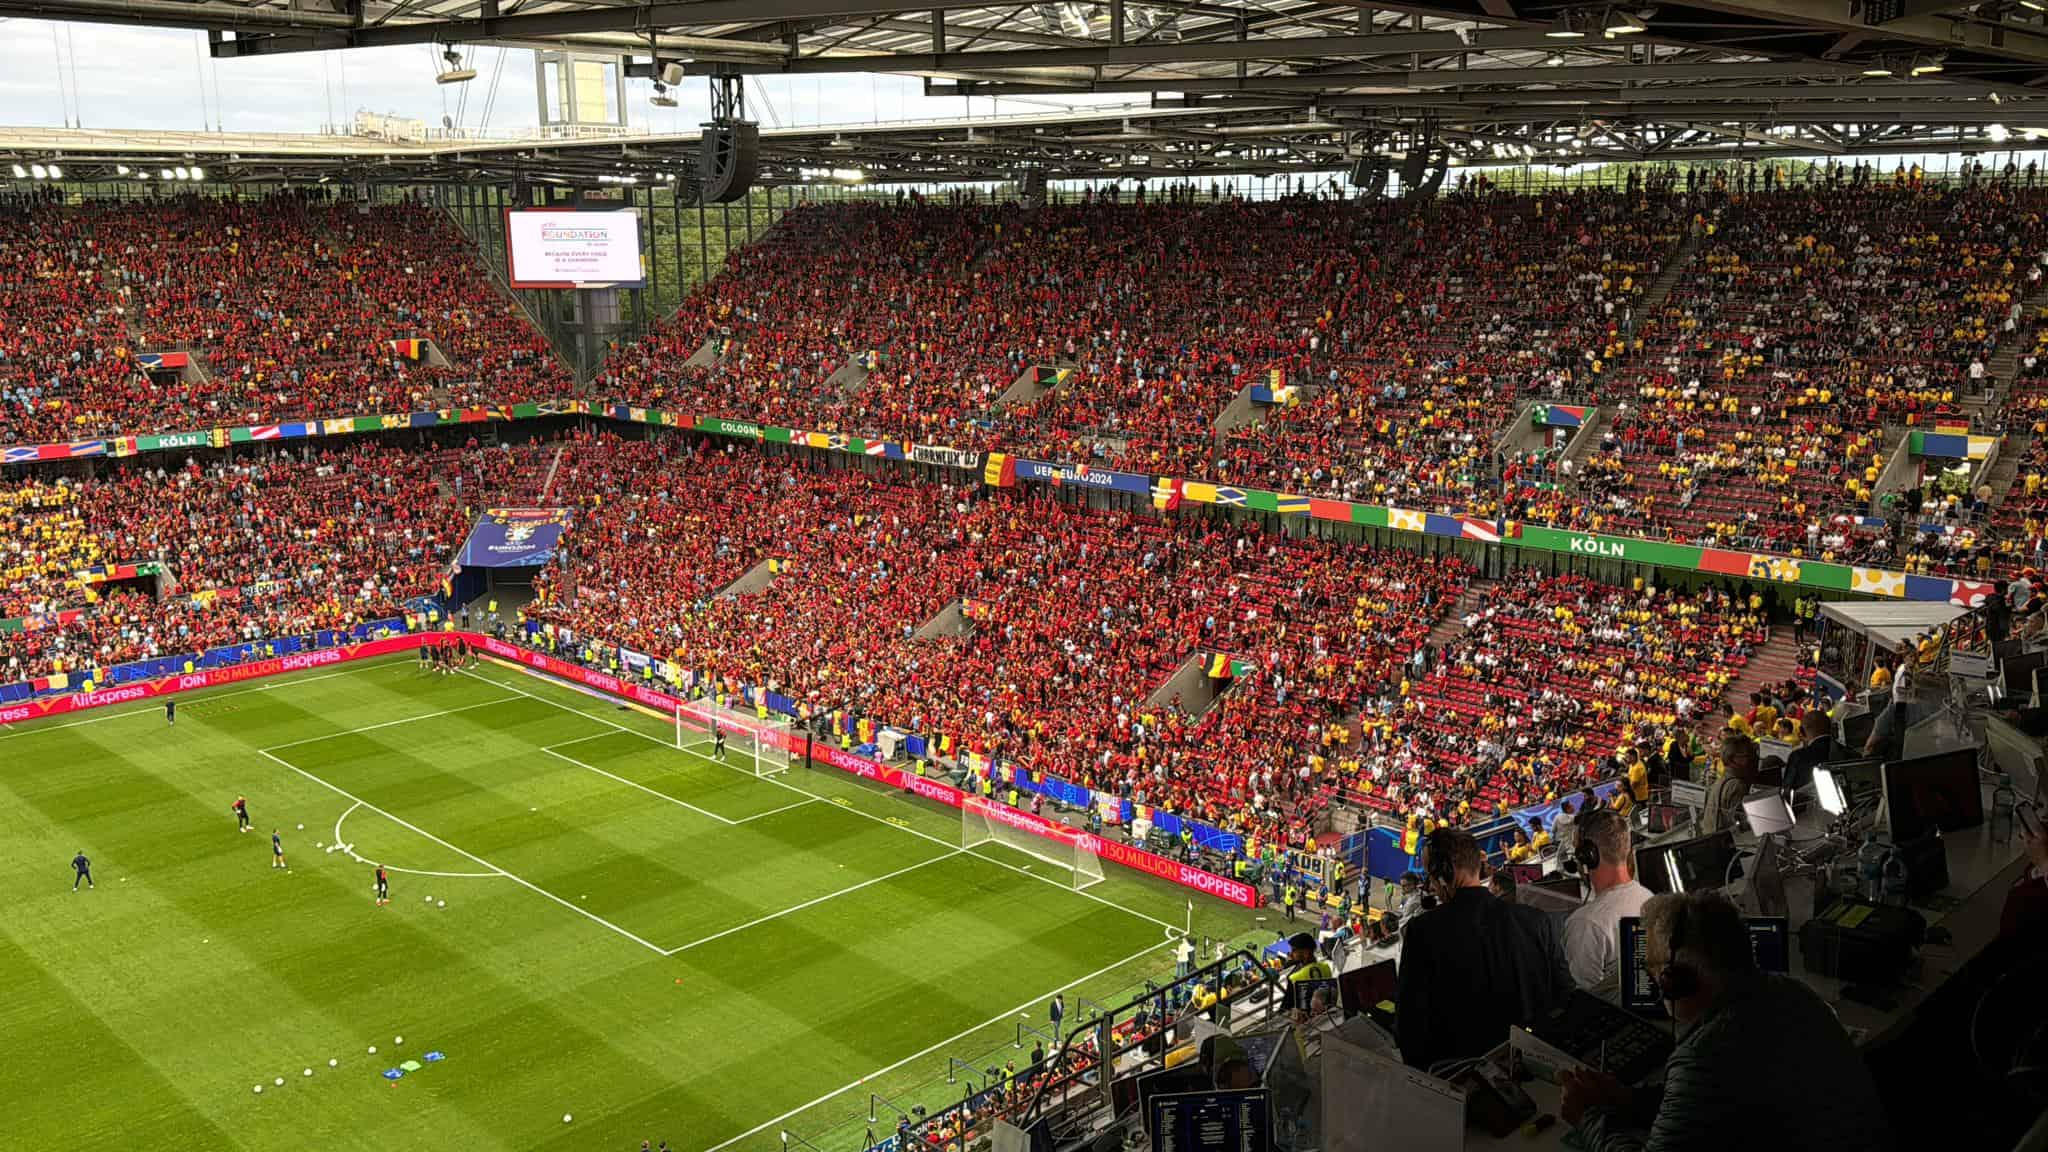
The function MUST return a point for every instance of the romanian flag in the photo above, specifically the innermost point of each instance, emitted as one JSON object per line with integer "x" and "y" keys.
{"x": 411, "y": 349}
{"x": 1000, "y": 471}
{"x": 1411, "y": 839}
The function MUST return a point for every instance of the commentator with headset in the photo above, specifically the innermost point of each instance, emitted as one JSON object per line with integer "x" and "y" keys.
{"x": 1761, "y": 1060}
{"x": 1604, "y": 852}
{"x": 1472, "y": 965}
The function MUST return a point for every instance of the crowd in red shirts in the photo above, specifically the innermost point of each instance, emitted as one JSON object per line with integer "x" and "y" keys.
{"x": 1754, "y": 397}
{"x": 273, "y": 545}
{"x": 291, "y": 307}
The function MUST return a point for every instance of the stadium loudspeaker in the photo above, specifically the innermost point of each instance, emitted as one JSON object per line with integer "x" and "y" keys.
{"x": 1361, "y": 171}
{"x": 1412, "y": 166}
{"x": 726, "y": 163}
{"x": 1034, "y": 185}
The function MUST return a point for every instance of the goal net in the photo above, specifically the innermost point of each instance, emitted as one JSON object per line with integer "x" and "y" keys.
{"x": 741, "y": 739}
{"x": 981, "y": 822}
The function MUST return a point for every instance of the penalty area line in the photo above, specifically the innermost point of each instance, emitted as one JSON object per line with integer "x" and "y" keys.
{"x": 964, "y": 1033}
{"x": 350, "y": 852}
{"x": 780, "y": 783}
{"x": 409, "y": 826}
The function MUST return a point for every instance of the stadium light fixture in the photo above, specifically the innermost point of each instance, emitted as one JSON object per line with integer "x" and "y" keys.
{"x": 120, "y": 169}
{"x": 183, "y": 173}
{"x": 20, "y": 173}
{"x": 167, "y": 174}
{"x": 56, "y": 173}
{"x": 1620, "y": 23}
{"x": 199, "y": 174}
{"x": 455, "y": 73}
{"x": 1930, "y": 65}
{"x": 1565, "y": 28}
{"x": 39, "y": 172}
{"x": 1997, "y": 133}
{"x": 1877, "y": 68}
{"x": 1555, "y": 59}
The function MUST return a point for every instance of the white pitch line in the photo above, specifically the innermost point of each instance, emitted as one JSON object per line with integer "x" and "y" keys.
{"x": 391, "y": 723}
{"x": 642, "y": 787}
{"x": 210, "y": 697}
{"x": 814, "y": 901}
{"x": 775, "y": 811}
{"x": 992, "y": 1021}
{"x": 402, "y": 823}
{"x": 779, "y": 783}
{"x": 657, "y": 793}
{"x": 351, "y": 853}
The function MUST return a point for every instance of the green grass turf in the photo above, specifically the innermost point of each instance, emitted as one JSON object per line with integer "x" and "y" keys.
{"x": 664, "y": 947}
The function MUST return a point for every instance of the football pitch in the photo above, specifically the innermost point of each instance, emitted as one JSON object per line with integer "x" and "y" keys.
{"x": 584, "y": 921}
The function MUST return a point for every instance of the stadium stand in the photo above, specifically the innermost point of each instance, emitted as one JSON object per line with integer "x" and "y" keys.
{"x": 293, "y": 307}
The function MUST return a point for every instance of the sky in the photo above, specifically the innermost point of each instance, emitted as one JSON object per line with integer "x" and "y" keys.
{"x": 116, "y": 76}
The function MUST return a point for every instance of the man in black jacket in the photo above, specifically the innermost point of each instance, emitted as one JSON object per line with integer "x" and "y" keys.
{"x": 1474, "y": 964}
{"x": 1812, "y": 752}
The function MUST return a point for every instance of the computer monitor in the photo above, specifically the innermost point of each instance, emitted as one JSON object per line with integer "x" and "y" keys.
{"x": 1186, "y": 1077}
{"x": 1942, "y": 791}
{"x": 1855, "y": 728}
{"x": 1363, "y": 989}
{"x": 1768, "y": 813}
{"x": 1828, "y": 792}
{"x": 1316, "y": 996}
{"x": 1857, "y": 780}
{"x": 1688, "y": 865}
{"x": 1770, "y": 942}
{"x": 1767, "y": 880}
{"x": 1211, "y": 1121}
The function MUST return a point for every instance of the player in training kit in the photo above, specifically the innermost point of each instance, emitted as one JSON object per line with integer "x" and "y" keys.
{"x": 241, "y": 807}
{"x": 171, "y": 711}
{"x": 83, "y": 868}
{"x": 383, "y": 886}
{"x": 717, "y": 741}
{"x": 276, "y": 850}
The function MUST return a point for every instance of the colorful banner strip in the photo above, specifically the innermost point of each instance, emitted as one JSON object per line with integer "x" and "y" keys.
{"x": 1167, "y": 493}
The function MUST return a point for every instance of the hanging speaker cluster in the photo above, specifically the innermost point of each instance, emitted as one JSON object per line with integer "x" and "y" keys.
{"x": 728, "y": 159}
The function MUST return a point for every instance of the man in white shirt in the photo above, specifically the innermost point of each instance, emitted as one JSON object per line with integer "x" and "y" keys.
{"x": 1606, "y": 855}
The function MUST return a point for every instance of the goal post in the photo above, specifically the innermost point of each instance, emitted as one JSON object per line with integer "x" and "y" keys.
{"x": 981, "y": 822}
{"x": 733, "y": 737}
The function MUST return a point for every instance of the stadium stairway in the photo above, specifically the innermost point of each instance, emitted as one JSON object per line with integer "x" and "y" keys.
{"x": 2007, "y": 467}
{"x": 1452, "y": 626}
{"x": 2006, "y": 360}
{"x": 1659, "y": 290}
{"x": 1774, "y": 663}
{"x": 1590, "y": 443}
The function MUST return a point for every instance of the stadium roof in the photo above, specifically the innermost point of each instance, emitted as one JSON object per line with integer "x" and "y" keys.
{"x": 1254, "y": 85}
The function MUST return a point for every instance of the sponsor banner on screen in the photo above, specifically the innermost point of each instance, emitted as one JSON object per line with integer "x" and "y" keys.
{"x": 514, "y": 537}
{"x": 553, "y": 248}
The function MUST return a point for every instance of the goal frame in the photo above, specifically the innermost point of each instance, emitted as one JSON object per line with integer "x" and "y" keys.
{"x": 982, "y": 821}
{"x": 751, "y": 743}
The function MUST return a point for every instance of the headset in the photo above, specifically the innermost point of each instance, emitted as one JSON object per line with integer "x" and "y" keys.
{"x": 1585, "y": 850}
